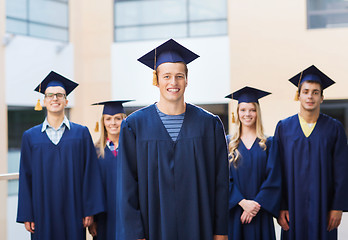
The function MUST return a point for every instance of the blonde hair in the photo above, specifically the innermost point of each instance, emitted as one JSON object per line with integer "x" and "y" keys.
{"x": 101, "y": 143}
{"x": 235, "y": 139}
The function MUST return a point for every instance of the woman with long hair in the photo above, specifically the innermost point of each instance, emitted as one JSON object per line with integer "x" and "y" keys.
{"x": 105, "y": 226}
{"x": 255, "y": 178}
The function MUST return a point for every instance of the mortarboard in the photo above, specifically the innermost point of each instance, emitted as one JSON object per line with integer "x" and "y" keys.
{"x": 170, "y": 51}
{"x": 111, "y": 108}
{"x": 311, "y": 73}
{"x": 248, "y": 95}
{"x": 54, "y": 79}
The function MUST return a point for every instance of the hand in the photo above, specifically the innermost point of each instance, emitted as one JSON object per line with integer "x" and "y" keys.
{"x": 250, "y": 206}
{"x": 246, "y": 217}
{"x": 333, "y": 219}
{"x": 87, "y": 221}
{"x": 30, "y": 226}
{"x": 283, "y": 219}
{"x": 220, "y": 237}
{"x": 93, "y": 229}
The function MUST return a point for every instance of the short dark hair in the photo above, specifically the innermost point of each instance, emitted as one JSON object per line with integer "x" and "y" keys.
{"x": 309, "y": 81}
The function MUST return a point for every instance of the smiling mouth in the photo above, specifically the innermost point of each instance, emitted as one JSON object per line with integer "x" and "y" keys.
{"x": 173, "y": 90}
{"x": 248, "y": 119}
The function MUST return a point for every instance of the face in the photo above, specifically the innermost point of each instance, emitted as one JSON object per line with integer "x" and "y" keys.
{"x": 172, "y": 81}
{"x": 310, "y": 96}
{"x": 55, "y": 99}
{"x": 112, "y": 123}
{"x": 247, "y": 114}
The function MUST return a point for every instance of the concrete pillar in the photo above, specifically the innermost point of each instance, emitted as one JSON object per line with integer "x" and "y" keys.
{"x": 3, "y": 126}
{"x": 91, "y": 33}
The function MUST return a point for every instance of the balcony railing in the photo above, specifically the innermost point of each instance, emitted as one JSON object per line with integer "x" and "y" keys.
{"x": 14, "y": 176}
{"x": 9, "y": 176}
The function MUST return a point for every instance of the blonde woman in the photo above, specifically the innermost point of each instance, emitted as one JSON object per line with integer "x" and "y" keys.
{"x": 107, "y": 149}
{"x": 255, "y": 178}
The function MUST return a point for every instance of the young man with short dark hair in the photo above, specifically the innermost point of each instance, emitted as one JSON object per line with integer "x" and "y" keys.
{"x": 314, "y": 159}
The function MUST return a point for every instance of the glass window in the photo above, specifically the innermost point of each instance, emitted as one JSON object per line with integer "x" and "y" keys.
{"x": 207, "y": 28}
{"x": 17, "y": 27}
{"x": 13, "y": 167}
{"x": 150, "y": 32}
{"x": 207, "y": 10}
{"x": 19, "y": 120}
{"x": 337, "y": 109}
{"x": 17, "y": 9}
{"x": 38, "y": 18}
{"x": 128, "y": 13}
{"x": 153, "y": 19}
{"x": 42, "y": 31}
{"x": 49, "y": 12}
{"x": 327, "y": 13}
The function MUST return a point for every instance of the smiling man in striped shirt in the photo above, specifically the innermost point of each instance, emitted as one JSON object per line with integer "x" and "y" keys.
{"x": 173, "y": 172}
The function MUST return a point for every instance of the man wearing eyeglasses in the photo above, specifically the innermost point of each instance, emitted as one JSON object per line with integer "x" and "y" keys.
{"x": 59, "y": 180}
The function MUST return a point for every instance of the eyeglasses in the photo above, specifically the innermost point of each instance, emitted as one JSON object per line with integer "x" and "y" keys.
{"x": 59, "y": 96}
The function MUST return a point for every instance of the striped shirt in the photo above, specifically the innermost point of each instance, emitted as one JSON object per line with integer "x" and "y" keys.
{"x": 172, "y": 123}
{"x": 53, "y": 134}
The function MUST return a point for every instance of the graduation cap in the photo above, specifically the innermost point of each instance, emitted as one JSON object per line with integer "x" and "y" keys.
{"x": 111, "y": 108}
{"x": 248, "y": 95}
{"x": 170, "y": 51}
{"x": 54, "y": 79}
{"x": 312, "y": 73}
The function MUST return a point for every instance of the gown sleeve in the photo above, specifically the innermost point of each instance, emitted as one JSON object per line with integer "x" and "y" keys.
{"x": 93, "y": 197}
{"x": 235, "y": 195}
{"x": 340, "y": 169}
{"x": 270, "y": 190}
{"x": 221, "y": 186}
{"x": 127, "y": 185}
{"x": 278, "y": 138}
{"x": 25, "y": 207}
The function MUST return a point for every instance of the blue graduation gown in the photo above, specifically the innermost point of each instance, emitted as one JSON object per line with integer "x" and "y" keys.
{"x": 257, "y": 177}
{"x": 314, "y": 176}
{"x": 173, "y": 190}
{"x": 58, "y": 184}
{"x": 106, "y": 222}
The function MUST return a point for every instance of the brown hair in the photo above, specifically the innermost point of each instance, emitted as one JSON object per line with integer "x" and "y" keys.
{"x": 186, "y": 70}
{"x": 309, "y": 81}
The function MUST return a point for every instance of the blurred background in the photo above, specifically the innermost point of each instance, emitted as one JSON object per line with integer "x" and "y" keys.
{"x": 96, "y": 43}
